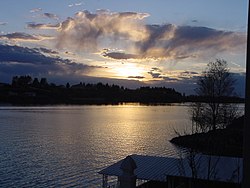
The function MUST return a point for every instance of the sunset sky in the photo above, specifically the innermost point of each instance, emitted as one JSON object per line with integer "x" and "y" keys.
{"x": 130, "y": 43}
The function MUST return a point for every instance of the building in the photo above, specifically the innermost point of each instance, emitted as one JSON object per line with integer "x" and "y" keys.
{"x": 197, "y": 169}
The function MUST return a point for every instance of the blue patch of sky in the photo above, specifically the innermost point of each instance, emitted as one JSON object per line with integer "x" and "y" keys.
{"x": 222, "y": 14}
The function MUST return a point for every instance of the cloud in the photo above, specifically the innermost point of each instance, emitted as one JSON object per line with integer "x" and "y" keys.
{"x": 46, "y": 50}
{"x": 120, "y": 55}
{"x": 92, "y": 31}
{"x": 169, "y": 79}
{"x": 20, "y": 36}
{"x": 181, "y": 42}
{"x": 3, "y": 23}
{"x": 16, "y": 36}
{"x": 76, "y": 4}
{"x": 188, "y": 74}
{"x": 133, "y": 39}
{"x": 136, "y": 77}
{"x": 50, "y": 15}
{"x": 88, "y": 31}
{"x": 24, "y": 55}
{"x": 155, "y": 72}
{"x": 155, "y": 75}
{"x": 16, "y": 60}
{"x": 33, "y": 25}
{"x": 35, "y": 10}
{"x": 156, "y": 69}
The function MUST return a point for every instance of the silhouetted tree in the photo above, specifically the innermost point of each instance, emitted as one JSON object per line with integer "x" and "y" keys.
{"x": 35, "y": 83}
{"x": 14, "y": 81}
{"x": 68, "y": 85}
{"x": 22, "y": 81}
{"x": 215, "y": 83}
{"x": 44, "y": 82}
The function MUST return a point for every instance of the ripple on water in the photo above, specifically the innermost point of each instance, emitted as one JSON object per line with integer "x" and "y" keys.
{"x": 66, "y": 146}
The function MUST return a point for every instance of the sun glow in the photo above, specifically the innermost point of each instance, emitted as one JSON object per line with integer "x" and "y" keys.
{"x": 129, "y": 70}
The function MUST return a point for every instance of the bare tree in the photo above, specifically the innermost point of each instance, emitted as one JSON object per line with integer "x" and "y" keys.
{"x": 214, "y": 85}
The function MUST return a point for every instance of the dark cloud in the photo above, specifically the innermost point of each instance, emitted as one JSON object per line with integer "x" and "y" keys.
{"x": 46, "y": 50}
{"x": 119, "y": 55}
{"x": 25, "y": 55}
{"x": 156, "y": 69}
{"x": 189, "y": 72}
{"x": 42, "y": 26}
{"x": 156, "y": 33}
{"x": 16, "y": 60}
{"x": 19, "y": 36}
{"x": 180, "y": 42}
{"x": 199, "y": 34}
{"x": 154, "y": 75}
{"x": 155, "y": 72}
{"x": 16, "y": 36}
{"x": 50, "y": 15}
{"x": 169, "y": 79}
{"x": 136, "y": 77}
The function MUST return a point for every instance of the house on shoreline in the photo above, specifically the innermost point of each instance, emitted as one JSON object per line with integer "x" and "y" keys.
{"x": 190, "y": 172}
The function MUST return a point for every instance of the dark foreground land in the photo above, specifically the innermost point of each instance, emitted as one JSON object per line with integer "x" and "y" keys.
{"x": 222, "y": 142}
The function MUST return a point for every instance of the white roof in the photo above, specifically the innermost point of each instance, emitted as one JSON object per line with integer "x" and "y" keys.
{"x": 225, "y": 169}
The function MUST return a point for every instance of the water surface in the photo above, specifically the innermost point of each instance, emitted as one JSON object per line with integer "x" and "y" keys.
{"x": 66, "y": 146}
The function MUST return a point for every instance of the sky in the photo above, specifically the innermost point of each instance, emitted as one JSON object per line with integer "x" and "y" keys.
{"x": 130, "y": 43}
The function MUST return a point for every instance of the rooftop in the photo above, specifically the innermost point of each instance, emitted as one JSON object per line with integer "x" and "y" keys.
{"x": 225, "y": 169}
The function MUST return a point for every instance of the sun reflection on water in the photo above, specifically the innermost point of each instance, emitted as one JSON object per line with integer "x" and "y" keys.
{"x": 68, "y": 145}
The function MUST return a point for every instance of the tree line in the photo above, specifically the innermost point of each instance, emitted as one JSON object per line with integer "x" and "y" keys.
{"x": 26, "y": 90}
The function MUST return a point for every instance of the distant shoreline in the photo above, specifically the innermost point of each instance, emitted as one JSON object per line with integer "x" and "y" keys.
{"x": 63, "y": 96}
{"x": 100, "y": 104}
